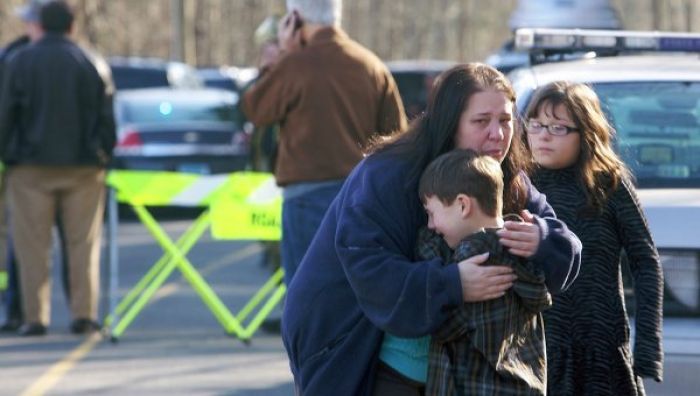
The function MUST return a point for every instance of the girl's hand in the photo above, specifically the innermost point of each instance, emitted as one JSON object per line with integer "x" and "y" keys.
{"x": 483, "y": 283}
{"x": 521, "y": 238}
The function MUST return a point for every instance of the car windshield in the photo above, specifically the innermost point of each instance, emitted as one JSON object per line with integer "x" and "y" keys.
{"x": 149, "y": 111}
{"x": 658, "y": 134}
{"x": 222, "y": 83}
{"x": 414, "y": 88}
{"x": 130, "y": 78}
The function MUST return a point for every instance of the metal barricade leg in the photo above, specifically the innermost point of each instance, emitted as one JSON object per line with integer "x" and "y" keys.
{"x": 112, "y": 252}
{"x": 122, "y": 314}
{"x": 274, "y": 281}
{"x": 273, "y": 285}
{"x": 185, "y": 243}
{"x": 158, "y": 274}
{"x": 215, "y": 305}
{"x": 175, "y": 258}
{"x": 140, "y": 303}
{"x": 257, "y": 320}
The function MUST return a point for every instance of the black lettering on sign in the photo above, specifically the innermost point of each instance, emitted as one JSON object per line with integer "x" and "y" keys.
{"x": 262, "y": 219}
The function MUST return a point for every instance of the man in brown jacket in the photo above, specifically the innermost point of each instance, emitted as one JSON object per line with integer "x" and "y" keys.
{"x": 330, "y": 95}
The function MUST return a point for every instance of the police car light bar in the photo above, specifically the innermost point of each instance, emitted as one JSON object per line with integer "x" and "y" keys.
{"x": 583, "y": 40}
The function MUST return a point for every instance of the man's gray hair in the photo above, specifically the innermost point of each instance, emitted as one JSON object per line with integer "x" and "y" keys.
{"x": 322, "y": 12}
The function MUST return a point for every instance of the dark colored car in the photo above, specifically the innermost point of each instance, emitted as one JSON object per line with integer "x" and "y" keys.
{"x": 415, "y": 81}
{"x": 183, "y": 130}
{"x": 227, "y": 77}
{"x": 135, "y": 72}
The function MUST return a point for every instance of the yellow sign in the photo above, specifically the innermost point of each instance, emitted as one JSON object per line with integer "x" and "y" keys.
{"x": 149, "y": 187}
{"x": 248, "y": 207}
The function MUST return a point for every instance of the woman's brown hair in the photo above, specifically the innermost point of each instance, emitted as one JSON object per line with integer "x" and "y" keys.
{"x": 599, "y": 168}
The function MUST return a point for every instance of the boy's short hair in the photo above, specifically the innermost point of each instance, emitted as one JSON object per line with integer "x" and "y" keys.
{"x": 464, "y": 172}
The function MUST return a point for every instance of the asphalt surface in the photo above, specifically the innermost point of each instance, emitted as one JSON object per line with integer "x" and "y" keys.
{"x": 176, "y": 347}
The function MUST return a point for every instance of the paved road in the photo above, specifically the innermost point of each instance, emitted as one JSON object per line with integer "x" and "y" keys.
{"x": 176, "y": 347}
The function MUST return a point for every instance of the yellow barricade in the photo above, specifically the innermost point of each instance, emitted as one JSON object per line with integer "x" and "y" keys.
{"x": 248, "y": 207}
{"x": 245, "y": 205}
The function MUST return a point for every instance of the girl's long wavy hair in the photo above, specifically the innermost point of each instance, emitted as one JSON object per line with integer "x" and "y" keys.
{"x": 434, "y": 132}
{"x": 598, "y": 167}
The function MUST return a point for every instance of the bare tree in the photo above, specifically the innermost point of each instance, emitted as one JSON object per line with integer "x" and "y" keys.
{"x": 221, "y": 31}
{"x": 656, "y": 13}
{"x": 191, "y": 32}
{"x": 689, "y": 14}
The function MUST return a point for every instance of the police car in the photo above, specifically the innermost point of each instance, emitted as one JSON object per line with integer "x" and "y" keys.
{"x": 649, "y": 86}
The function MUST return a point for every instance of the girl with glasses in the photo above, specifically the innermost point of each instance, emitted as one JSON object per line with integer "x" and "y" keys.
{"x": 587, "y": 328}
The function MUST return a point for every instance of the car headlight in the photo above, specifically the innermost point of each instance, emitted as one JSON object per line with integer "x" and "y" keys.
{"x": 682, "y": 276}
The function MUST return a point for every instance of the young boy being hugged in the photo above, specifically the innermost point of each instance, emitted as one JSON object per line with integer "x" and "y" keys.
{"x": 495, "y": 346}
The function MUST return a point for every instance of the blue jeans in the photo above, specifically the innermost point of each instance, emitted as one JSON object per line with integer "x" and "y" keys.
{"x": 303, "y": 208}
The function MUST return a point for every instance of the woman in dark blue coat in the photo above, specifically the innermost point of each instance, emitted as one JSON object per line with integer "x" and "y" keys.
{"x": 359, "y": 277}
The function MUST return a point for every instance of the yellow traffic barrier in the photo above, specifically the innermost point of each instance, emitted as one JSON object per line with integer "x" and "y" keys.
{"x": 249, "y": 206}
{"x": 3, "y": 280}
{"x": 243, "y": 205}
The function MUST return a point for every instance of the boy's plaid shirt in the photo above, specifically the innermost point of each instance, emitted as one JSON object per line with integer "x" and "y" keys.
{"x": 493, "y": 347}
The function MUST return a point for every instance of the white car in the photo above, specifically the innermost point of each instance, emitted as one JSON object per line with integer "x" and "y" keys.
{"x": 652, "y": 99}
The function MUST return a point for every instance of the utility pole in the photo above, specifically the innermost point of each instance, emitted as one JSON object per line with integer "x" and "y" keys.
{"x": 656, "y": 14}
{"x": 177, "y": 41}
{"x": 190, "y": 27}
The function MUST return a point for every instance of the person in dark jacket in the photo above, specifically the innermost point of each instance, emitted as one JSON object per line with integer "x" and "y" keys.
{"x": 29, "y": 13}
{"x": 587, "y": 328}
{"x": 360, "y": 277}
{"x": 57, "y": 134}
{"x": 11, "y": 296}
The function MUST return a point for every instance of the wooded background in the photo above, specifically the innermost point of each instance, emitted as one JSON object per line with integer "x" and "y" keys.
{"x": 220, "y": 32}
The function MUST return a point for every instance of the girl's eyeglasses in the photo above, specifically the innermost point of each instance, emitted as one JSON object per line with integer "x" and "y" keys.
{"x": 534, "y": 127}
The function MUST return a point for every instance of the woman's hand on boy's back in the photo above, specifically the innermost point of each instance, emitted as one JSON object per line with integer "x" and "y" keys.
{"x": 480, "y": 283}
{"x": 521, "y": 238}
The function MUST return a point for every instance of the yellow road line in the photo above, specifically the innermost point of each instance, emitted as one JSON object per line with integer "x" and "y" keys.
{"x": 54, "y": 374}
{"x": 58, "y": 370}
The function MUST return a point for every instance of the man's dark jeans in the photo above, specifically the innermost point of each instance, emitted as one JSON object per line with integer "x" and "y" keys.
{"x": 301, "y": 216}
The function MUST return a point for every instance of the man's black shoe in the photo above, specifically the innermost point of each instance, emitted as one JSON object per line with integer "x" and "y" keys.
{"x": 31, "y": 330}
{"x": 11, "y": 326}
{"x": 84, "y": 326}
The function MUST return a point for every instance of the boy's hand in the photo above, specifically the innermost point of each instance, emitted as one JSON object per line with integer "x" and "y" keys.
{"x": 521, "y": 238}
{"x": 483, "y": 283}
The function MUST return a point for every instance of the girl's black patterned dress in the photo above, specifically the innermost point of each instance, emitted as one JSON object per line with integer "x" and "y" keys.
{"x": 587, "y": 331}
